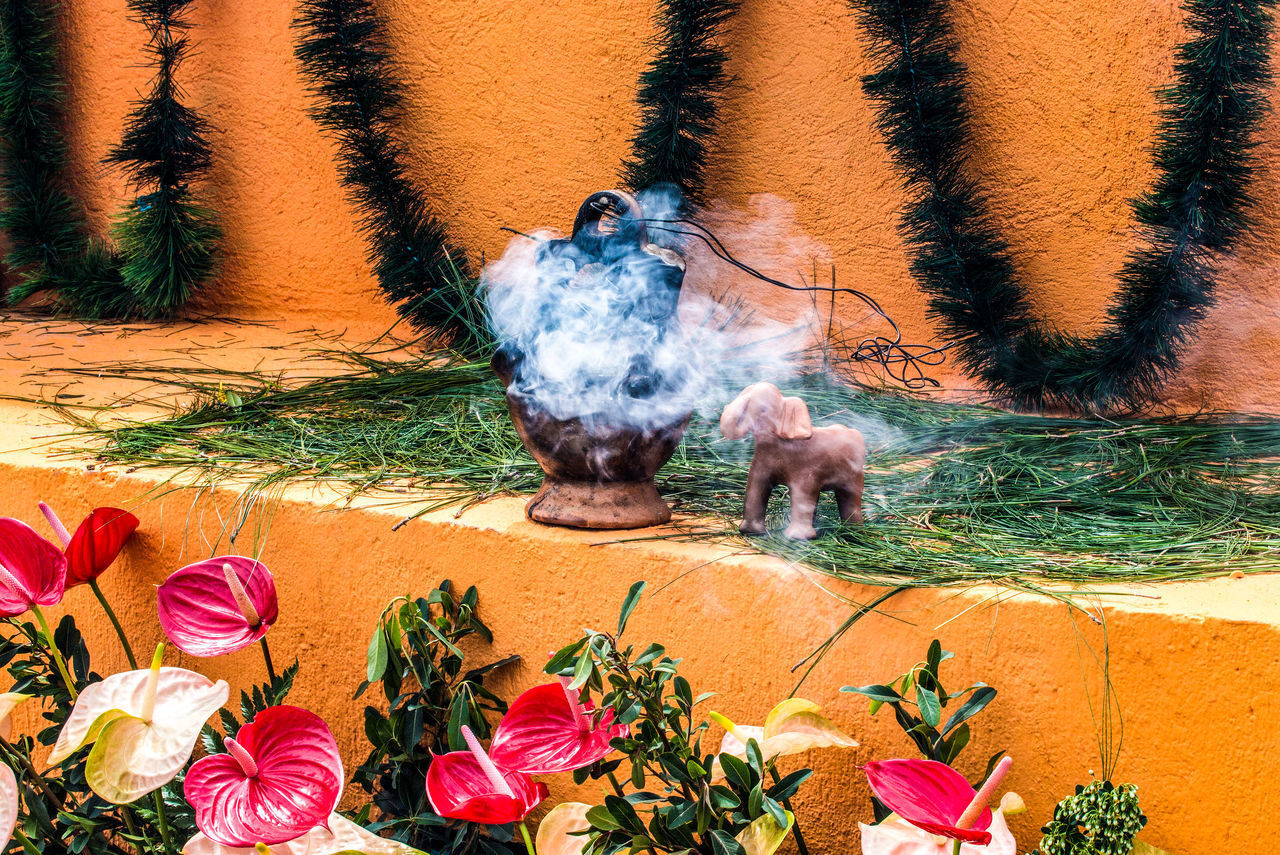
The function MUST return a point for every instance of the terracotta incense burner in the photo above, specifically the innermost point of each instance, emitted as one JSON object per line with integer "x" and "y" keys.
{"x": 599, "y": 465}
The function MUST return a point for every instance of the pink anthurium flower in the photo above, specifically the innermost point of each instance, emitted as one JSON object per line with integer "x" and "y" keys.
{"x": 936, "y": 798}
{"x": 548, "y": 730}
{"x": 96, "y": 543}
{"x": 467, "y": 785}
{"x": 281, "y": 777}
{"x": 792, "y": 727}
{"x": 143, "y": 726}
{"x": 337, "y": 836}
{"x": 32, "y": 570}
{"x": 218, "y": 606}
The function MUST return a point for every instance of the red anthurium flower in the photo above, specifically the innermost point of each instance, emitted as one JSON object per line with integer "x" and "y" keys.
{"x": 933, "y": 796}
{"x": 32, "y": 570}
{"x": 218, "y": 606}
{"x": 549, "y": 730}
{"x": 96, "y": 543}
{"x": 467, "y": 785}
{"x": 281, "y": 777}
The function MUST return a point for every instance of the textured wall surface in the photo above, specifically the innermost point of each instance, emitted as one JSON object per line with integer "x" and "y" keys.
{"x": 521, "y": 109}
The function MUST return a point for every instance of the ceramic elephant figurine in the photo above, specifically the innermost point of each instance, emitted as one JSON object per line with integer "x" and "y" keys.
{"x": 791, "y": 451}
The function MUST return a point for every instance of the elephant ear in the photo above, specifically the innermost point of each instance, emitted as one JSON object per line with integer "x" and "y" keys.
{"x": 794, "y": 422}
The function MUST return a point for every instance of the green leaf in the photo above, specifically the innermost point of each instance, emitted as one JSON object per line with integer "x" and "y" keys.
{"x": 875, "y": 692}
{"x": 952, "y": 747}
{"x": 629, "y": 605}
{"x": 933, "y": 659}
{"x": 789, "y": 785}
{"x": 723, "y": 844}
{"x": 582, "y": 670}
{"x": 600, "y": 817}
{"x": 377, "y": 657}
{"x": 735, "y": 771}
{"x": 651, "y": 653}
{"x": 974, "y": 705}
{"x": 930, "y": 709}
{"x": 564, "y": 656}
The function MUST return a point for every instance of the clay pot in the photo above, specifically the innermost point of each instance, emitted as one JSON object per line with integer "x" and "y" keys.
{"x": 599, "y": 474}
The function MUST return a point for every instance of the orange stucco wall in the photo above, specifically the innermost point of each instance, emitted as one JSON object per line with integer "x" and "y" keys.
{"x": 518, "y": 110}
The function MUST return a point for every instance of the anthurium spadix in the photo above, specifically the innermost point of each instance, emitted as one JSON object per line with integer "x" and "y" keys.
{"x": 218, "y": 606}
{"x": 467, "y": 785}
{"x": 143, "y": 727}
{"x": 792, "y": 727}
{"x": 32, "y": 570}
{"x": 548, "y": 729}
{"x": 281, "y": 777}
{"x": 337, "y": 836}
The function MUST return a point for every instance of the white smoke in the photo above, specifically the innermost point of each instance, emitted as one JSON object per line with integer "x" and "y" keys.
{"x": 598, "y": 336}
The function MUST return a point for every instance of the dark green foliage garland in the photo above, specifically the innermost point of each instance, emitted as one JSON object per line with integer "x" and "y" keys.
{"x": 1204, "y": 160}
{"x": 1100, "y": 819}
{"x": 44, "y": 224}
{"x": 167, "y": 238}
{"x": 677, "y": 97}
{"x": 345, "y": 54}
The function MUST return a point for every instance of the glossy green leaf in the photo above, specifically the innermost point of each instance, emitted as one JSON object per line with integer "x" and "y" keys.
{"x": 974, "y": 705}
{"x": 930, "y": 709}
{"x": 376, "y": 658}
{"x": 629, "y": 605}
{"x": 875, "y": 692}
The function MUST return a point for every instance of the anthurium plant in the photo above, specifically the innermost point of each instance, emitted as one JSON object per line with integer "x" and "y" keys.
{"x": 670, "y": 793}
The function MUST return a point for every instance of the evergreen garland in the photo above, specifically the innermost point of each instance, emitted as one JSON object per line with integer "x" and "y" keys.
{"x": 345, "y": 53}
{"x": 678, "y": 97}
{"x": 44, "y": 224}
{"x": 167, "y": 238}
{"x": 1198, "y": 206}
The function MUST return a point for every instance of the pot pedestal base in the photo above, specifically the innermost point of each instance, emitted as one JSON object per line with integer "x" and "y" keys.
{"x": 595, "y": 505}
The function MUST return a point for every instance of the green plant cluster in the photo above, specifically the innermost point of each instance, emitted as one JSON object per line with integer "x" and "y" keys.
{"x": 415, "y": 659}
{"x": 1198, "y": 208}
{"x": 920, "y": 689}
{"x": 1100, "y": 819}
{"x": 671, "y": 778}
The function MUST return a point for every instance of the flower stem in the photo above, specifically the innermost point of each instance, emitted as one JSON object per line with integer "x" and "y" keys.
{"x": 266, "y": 657}
{"x": 163, "y": 822}
{"x": 795, "y": 820}
{"x": 115, "y": 622}
{"x": 528, "y": 841}
{"x": 57, "y": 654}
{"x": 955, "y": 847}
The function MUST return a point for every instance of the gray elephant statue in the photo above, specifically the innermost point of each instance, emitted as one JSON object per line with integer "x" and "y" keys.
{"x": 791, "y": 451}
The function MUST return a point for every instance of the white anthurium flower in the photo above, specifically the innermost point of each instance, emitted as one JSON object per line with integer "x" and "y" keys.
{"x": 9, "y": 701}
{"x": 143, "y": 726}
{"x": 556, "y": 830}
{"x": 896, "y": 836}
{"x": 342, "y": 836}
{"x": 8, "y": 804}
{"x": 792, "y": 727}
